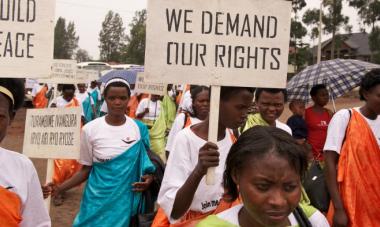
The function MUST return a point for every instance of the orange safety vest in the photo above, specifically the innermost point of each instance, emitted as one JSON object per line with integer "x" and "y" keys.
{"x": 64, "y": 169}
{"x": 358, "y": 174}
{"x": 10, "y": 208}
{"x": 40, "y": 101}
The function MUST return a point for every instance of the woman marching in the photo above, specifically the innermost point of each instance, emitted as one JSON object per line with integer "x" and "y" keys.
{"x": 115, "y": 164}
{"x": 265, "y": 167}
{"x": 185, "y": 197}
{"x": 21, "y": 202}
{"x": 200, "y": 96}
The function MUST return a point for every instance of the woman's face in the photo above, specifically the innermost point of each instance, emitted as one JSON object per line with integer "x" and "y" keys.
{"x": 5, "y": 118}
{"x": 233, "y": 111}
{"x": 82, "y": 88}
{"x": 373, "y": 99}
{"x": 270, "y": 190}
{"x": 68, "y": 94}
{"x": 271, "y": 105}
{"x": 117, "y": 100}
{"x": 322, "y": 97}
{"x": 201, "y": 104}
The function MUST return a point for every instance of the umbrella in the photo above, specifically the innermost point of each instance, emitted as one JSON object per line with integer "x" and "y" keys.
{"x": 128, "y": 74}
{"x": 339, "y": 75}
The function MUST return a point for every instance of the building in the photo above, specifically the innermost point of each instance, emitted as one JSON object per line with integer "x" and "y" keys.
{"x": 350, "y": 46}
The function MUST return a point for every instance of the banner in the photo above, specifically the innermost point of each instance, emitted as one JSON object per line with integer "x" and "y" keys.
{"x": 218, "y": 42}
{"x": 26, "y": 38}
{"x": 52, "y": 133}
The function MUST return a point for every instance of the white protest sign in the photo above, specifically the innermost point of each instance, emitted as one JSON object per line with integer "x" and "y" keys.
{"x": 66, "y": 72}
{"x": 149, "y": 88}
{"x": 26, "y": 38}
{"x": 218, "y": 42}
{"x": 52, "y": 133}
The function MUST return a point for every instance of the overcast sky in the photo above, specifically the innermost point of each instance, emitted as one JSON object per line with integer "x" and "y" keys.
{"x": 89, "y": 14}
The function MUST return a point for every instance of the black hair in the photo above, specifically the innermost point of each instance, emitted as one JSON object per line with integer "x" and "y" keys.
{"x": 17, "y": 88}
{"x": 314, "y": 90}
{"x": 227, "y": 92}
{"x": 294, "y": 102}
{"x": 117, "y": 84}
{"x": 272, "y": 91}
{"x": 369, "y": 81}
{"x": 196, "y": 90}
{"x": 255, "y": 143}
{"x": 68, "y": 87}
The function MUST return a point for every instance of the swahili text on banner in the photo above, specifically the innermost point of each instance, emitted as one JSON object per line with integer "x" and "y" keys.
{"x": 234, "y": 43}
{"x": 26, "y": 38}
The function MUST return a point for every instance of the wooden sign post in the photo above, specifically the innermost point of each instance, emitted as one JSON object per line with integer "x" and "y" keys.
{"x": 218, "y": 43}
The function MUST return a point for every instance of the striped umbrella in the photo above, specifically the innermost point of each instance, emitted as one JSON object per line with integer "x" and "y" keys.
{"x": 339, "y": 75}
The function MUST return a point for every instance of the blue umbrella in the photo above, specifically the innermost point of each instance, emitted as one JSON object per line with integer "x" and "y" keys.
{"x": 128, "y": 74}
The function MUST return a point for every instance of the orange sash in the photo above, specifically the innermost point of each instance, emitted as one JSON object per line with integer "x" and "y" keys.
{"x": 64, "y": 169}
{"x": 132, "y": 106}
{"x": 358, "y": 174}
{"x": 40, "y": 101}
{"x": 192, "y": 218}
{"x": 10, "y": 208}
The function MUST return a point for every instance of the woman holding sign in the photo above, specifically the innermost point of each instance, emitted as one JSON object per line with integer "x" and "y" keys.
{"x": 115, "y": 163}
{"x": 21, "y": 202}
{"x": 185, "y": 197}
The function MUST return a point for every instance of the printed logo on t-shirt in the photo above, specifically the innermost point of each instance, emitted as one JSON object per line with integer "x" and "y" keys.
{"x": 323, "y": 124}
{"x": 128, "y": 140}
{"x": 208, "y": 204}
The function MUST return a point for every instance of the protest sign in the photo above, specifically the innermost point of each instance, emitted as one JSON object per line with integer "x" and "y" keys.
{"x": 26, "y": 38}
{"x": 66, "y": 72}
{"x": 149, "y": 88}
{"x": 52, "y": 133}
{"x": 218, "y": 42}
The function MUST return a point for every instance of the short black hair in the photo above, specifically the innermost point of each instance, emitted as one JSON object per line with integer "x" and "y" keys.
{"x": 294, "y": 102}
{"x": 196, "y": 90}
{"x": 68, "y": 87}
{"x": 117, "y": 84}
{"x": 272, "y": 91}
{"x": 17, "y": 88}
{"x": 255, "y": 143}
{"x": 314, "y": 90}
{"x": 227, "y": 92}
{"x": 369, "y": 81}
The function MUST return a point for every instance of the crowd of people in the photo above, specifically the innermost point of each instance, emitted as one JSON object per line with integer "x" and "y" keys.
{"x": 147, "y": 156}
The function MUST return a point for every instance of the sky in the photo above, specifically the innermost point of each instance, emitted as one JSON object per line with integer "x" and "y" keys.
{"x": 88, "y": 16}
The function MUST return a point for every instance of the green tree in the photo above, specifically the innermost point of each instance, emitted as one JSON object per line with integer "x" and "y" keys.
{"x": 112, "y": 37}
{"x": 82, "y": 55}
{"x": 65, "y": 39}
{"x": 135, "y": 49}
{"x": 368, "y": 10}
{"x": 297, "y": 32}
{"x": 311, "y": 19}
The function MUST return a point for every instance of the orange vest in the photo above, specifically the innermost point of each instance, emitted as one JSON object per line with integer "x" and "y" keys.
{"x": 358, "y": 174}
{"x": 40, "y": 101}
{"x": 10, "y": 208}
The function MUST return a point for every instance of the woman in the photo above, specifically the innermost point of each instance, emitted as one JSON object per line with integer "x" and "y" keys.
{"x": 39, "y": 92}
{"x": 64, "y": 169}
{"x": 21, "y": 202}
{"x": 352, "y": 157}
{"x": 265, "y": 167}
{"x": 87, "y": 102}
{"x": 200, "y": 96}
{"x": 184, "y": 195}
{"x": 115, "y": 163}
{"x": 317, "y": 119}
{"x": 149, "y": 109}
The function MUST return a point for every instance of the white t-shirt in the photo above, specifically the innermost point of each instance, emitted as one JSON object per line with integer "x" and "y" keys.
{"x": 18, "y": 172}
{"x": 337, "y": 129}
{"x": 154, "y": 109}
{"x": 36, "y": 88}
{"x": 83, "y": 96}
{"x": 90, "y": 90}
{"x": 187, "y": 102}
{"x": 284, "y": 127}
{"x": 100, "y": 142}
{"x": 181, "y": 164}
{"x": 104, "y": 108}
{"x": 60, "y": 102}
{"x": 177, "y": 126}
{"x": 232, "y": 215}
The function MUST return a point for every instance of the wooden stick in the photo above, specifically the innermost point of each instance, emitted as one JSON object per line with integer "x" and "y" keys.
{"x": 213, "y": 128}
{"x": 49, "y": 178}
